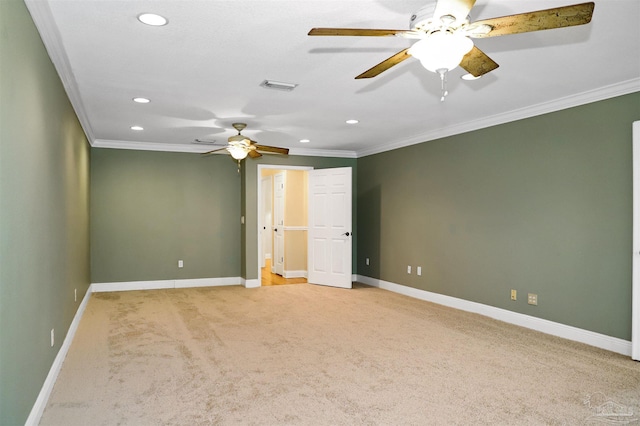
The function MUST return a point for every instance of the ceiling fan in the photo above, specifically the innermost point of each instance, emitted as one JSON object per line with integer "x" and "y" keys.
{"x": 240, "y": 146}
{"x": 444, "y": 34}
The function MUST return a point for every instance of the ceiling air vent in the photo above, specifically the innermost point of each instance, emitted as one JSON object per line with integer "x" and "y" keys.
{"x": 278, "y": 85}
{"x": 204, "y": 142}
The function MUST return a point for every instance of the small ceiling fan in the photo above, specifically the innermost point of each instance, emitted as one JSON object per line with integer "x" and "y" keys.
{"x": 444, "y": 34}
{"x": 240, "y": 146}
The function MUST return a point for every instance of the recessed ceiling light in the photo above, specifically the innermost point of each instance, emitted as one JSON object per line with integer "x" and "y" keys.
{"x": 141, "y": 100}
{"x": 152, "y": 19}
{"x": 470, "y": 77}
{"x": 352, "y": 121}
{"x": 137, "y": 128}
{"x": 305, "y": 140}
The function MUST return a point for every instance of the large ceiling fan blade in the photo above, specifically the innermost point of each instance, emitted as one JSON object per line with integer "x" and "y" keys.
{"x": 477, "y": 63}
{"x": 386, "y": 64}
{"x": 273, "y": 149}
{"x": 254, "y": 154}
{"x": 354, "y": 32}
{"x": 459, "y": 9}
{"x": 559, "y": 17}
{"x": 215, "y": 150}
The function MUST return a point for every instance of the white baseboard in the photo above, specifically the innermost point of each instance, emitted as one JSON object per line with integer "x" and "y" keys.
{"x": 47, "y": 387}
{"x": 252, "y": 283}
{"x": 162, "y": 284}
{"x": 208, "y": 282}
{"x": 295, "y": 274}
{"x": 598, "y": 340}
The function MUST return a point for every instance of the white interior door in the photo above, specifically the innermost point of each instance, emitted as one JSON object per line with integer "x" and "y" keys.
{"x": 635, "y": 306}
{"x": 329, "y": 238}
{"x": 277, "y": 260}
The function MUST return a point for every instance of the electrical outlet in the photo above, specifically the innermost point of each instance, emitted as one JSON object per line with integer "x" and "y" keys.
{"x": 514, "y": 294}
{"x": 409, "y": 269}
{"x": 180, "y": 264}
{"x": 366, "y": 261}
{"x": 53, "y": 337}
{"x": 419, "y": 270}
{"x": 532, "y": 299}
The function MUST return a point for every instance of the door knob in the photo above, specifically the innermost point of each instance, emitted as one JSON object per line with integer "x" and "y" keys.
{"x": 346, "y": 233}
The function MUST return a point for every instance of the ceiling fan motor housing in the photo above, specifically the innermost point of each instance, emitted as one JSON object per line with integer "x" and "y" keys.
{"x": 450, "y": 14}
{"x": 423, "y": 18}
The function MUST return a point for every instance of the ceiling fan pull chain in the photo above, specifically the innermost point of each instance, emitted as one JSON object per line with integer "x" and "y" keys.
{"x": 443, "y": 83}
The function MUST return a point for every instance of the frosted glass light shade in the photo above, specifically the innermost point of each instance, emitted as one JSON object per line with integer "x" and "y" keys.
{"x": 441, "y": 50}
{"x": 238, "y": 152}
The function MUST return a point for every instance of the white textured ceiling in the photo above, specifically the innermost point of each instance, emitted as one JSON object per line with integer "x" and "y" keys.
{"x": 202, "y": 71}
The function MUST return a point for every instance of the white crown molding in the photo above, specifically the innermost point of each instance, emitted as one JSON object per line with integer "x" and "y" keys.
{"x": 607, "y": 92}
{"x": 153, "y": 146}
{"x": 199, "y": 149}
{"x": 43, "y": 19}
{"x": 592, "y": 338}
{"x": 323, "y": 153}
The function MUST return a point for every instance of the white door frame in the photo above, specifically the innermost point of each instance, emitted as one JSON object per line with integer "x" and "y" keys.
{"x": 265, "y": 228}
{"x": 635, "y": 280}
{"x": 279, "y": 185}
{"x": 260, "y": 207}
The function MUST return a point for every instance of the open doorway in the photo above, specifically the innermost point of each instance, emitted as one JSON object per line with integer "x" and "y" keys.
{"x": 282, "y": 224}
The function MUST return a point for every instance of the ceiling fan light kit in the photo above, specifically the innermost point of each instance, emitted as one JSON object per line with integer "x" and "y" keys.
{"x": 441, "y": 50}
{"x": 444, "y": 35}
{"x": 238, "y": 151}
{"x": 241, "y": 147}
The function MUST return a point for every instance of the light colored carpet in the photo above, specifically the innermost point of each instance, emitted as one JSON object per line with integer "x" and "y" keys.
{"x": 304, "y": 354}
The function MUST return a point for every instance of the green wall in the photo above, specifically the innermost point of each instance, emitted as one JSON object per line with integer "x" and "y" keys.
{"x": 542, "y": 205}
{"x": 250, "y": 201}
{"x": 151, "y": 209}
{"x": 44, "y": 213}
